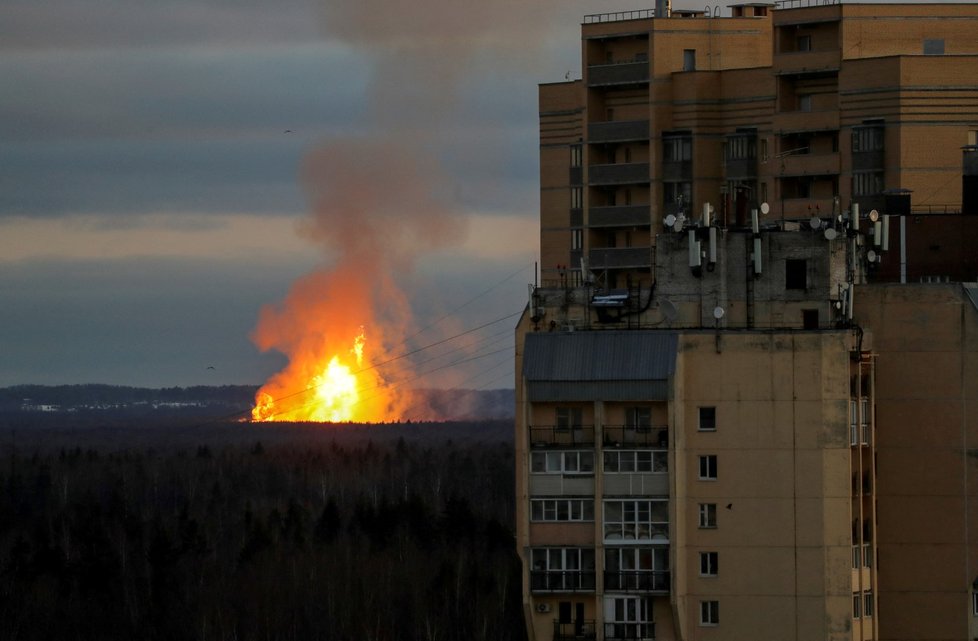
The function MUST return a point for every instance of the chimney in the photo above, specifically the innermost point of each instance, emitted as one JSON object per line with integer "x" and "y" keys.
{"x": 662, "y": 8}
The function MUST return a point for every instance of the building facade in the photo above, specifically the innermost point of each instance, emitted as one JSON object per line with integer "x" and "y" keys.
{"x": 747, "y": 375}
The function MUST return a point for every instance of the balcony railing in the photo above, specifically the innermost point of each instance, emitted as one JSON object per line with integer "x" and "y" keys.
{"x": 810, "y": 165}
{"x": 653, "y": 532}
{"x": 620, "y": 257}
{"x": 580, "y": 630}
{"x": 797, "y": 62}
{"x": 636, "y": 581}
{"x": 556, "y": 435}
{"x": 629, "y": 631}
{"x": 620, "y": 216}
{"x": 562, "y": 581}
{"x": 631, "y": 173}
{"x": 621, "y": 73}
{"x": 625, "y": 435}
{"x": 618, "y": 131}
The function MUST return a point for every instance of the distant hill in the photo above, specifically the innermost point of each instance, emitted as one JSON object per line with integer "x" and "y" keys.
{"x": 118, "y": 401}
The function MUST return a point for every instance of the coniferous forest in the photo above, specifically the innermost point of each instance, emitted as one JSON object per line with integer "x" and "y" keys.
{"x": 237, "y": 531}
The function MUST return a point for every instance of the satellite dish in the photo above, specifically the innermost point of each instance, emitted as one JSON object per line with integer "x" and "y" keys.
{"x": 670, "y": 220}
{"x": 718, "y": 312}
{"x": 874, "y": 215}
{"x": 679, "y": 223}
{"x": 815, "y": 222}
{"x": 765, "y": 208}
{"x": 668, "y": 309}
{"x": 871, "y": 256}
{"x": 830, "y": 234}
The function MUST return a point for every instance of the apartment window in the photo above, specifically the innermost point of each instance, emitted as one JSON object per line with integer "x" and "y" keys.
{"x": 577, "y": 239}
{"x": 709, "y": 563}
{"x": 638, "y": 418}
{"x": 628, "y": 618}
{"x": 576, "y": 155}
{"x": 708, "y": 419}
{"x": 642, "y": 520}
{"x": 933, "y": 46}
{"x": 640, "y": 461}
{"x": 868, "y": 603}
{"x": 796, "y": 273}
{"x": 857, "y": 557}
{"x": 573, "y": 462}
{"x": 677, "y": 148}
{"x": 763, "y": 148}
{"x": 562, "y": 509}
{"x": 576, "y": 197}
{"x": 708, "y": 515}
{"x": 741, "y": 146}
{"x": 709, "y": 612}
{"x": 857, "y": 605}
{"x": 809, "y": 318}
{"x": 974, "y": 604}
{"x": 636, "y": 568}
{"x": 867, "y": 138}
{"x": 689, "y": 59}
{"x": 805, "y": 103}
{"x": 708, "y": 467}
{"x": 867, "y": 555}
{"x": 973, "y": 137}
{"x": 803, "y": 43}
{"x": 867, "y": 183}
{"x": 568, "y": 418}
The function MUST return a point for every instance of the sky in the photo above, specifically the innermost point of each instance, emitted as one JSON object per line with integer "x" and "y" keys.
{"x": 158, "y": 165}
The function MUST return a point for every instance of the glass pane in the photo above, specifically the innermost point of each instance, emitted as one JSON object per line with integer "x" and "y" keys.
{"x": 644, "y": 461}
{"x": 660, "y": 462}
{"x": 611, "y": 461}
{"x": 587, "y": 461}
{"x": 554, "y": 557}
{"x": 538, "y": 462}
{"x": 553, "y": 461}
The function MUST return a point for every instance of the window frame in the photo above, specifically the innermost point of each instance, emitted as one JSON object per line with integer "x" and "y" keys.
{"x": 709, "y": 613}
{"x": 550, "y": 509}
{"x": 707, "y": 516}
{"x": 635, "y": 517}
{"x": 571, "y": 462}
{"x": 708, "y": 467}
{"x": 709, "y": 564}
{"x": 705, "y": 422}
{"x": 657, "y": 461}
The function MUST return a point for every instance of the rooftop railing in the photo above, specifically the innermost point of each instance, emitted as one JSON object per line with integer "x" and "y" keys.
{"x": 618, "y": 16}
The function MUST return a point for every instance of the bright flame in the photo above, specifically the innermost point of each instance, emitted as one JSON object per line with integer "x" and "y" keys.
{"x": 336, "y": 393}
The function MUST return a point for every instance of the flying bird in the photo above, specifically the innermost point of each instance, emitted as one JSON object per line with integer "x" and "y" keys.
{"x": 210, "y": 367}
{"x": 287, "y": 131}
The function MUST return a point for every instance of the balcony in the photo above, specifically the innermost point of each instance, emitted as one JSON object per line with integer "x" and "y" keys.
{"x": 620, "y": 216}
{"x": 632, "y": 173}
{"x": 868, "y": 160}
{"x": 629, "y": 631}
{"x": 802, "y": 121}
{"x": 636, "y": 581}
{"x": 566, "y": 581}
{"x": 559, "y": 436}
{"x": 617, "y": 532}
{"x": 618, "y": 131}
{"x": 806, "y": 62}
{"x": 631, "y": 436}
{"x": 580, "y": 630}
{"x": 740, "y": 168}
{"x": 620, "y": 258}
{"x": 810, "y": 165}
{"x": 618, "y": 73}
{"x": 677, "y": 170}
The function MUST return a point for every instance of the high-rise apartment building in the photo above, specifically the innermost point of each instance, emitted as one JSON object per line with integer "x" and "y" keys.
{"x": 747, "y": 379}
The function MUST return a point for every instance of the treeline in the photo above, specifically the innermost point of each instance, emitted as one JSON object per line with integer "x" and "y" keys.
{"x": 394, "y": 540}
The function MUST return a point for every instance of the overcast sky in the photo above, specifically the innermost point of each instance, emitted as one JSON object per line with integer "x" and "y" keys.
{"x": 151, "y": 154}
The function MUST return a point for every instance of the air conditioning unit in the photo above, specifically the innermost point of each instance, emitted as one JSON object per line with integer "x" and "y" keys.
{"x": 543, "y": 608}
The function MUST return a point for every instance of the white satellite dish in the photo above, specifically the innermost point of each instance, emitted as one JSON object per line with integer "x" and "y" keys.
{"x": 830, "y": 234}
{"x": 718, "y": 312}
{"x": 815, "y": 222}
{"x": 874, "y": 215}
{"x": 765, "y": 208}
{"x": 871, "y": 256}
{"x": 668, "y": 308}
{"x": 679, "y": 224}
{"x": 670, "y": 220}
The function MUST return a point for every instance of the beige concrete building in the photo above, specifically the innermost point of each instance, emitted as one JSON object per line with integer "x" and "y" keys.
{"x": 747, "y": 376}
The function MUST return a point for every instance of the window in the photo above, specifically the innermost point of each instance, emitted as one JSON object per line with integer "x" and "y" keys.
{"x": 576, "y": 155}
{"x": 809, "y": 318}
{"x": 856, "y": 557}
{"x": 973, "y": 137}
{"x": 638, "y": 418}
{"x": 709, "y": 563}
{"x": 628, "y": 617}
{"x": 576, "y": 197}
{"x": 933, "y": 46}
{"x": 805, "y": 103}
{"x": 640, "y": 461}
{"x": 680, "y": 194}
{"x": 631, "y": 520}
{"x": 803, "y": 43}
{"x": 573, "y": 462}
{"x": 708, "y": 419}
{"x": 708, "y": 515}
{"x": 689, "y": 59}
{"x": 795, "y": 273}
{"x": 867, "y": 138}
{"x": 763, "y": 148}
{"x": 709, "y": 612}
{"x": 857, "y": 604}
{"x": 867, "y": 183}
{"x": 562, "y": 509}
{"x": 708, "y": 467}
{"x": 868, "y": 603}
{"x": 741, "y": 146}
{"x": 577, "y": 239}
{"x": 636, "y": 568}
{"x": 562, "y": 569}
{"x": 568, "y": 418}
{"x": 974, "y": 603}
{"x": 677, "y": 148}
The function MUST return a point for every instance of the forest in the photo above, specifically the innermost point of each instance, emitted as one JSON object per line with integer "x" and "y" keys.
{"x": 238, "y": 531}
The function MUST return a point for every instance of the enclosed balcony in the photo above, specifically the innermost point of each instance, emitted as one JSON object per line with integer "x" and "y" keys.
{"x": 618, "y": 73}
{"x": 618, "y": 131}
{"x": 562, "y": 581}
{"x": 620, "y": 216}
{"x": 632, "y": 173}
{"x": 620, "y": 257}
{"x": 629, "y": 631}
{"x": 636, "y": 581}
